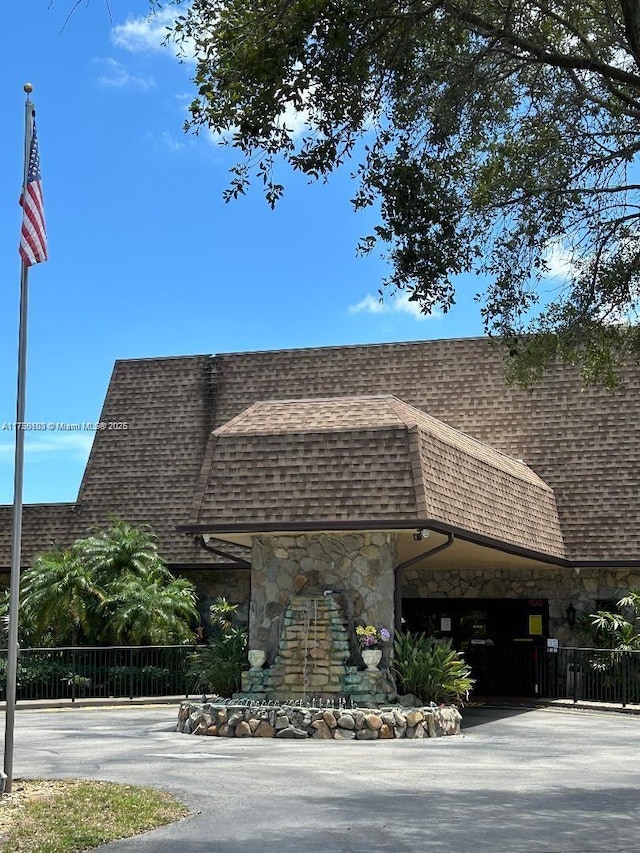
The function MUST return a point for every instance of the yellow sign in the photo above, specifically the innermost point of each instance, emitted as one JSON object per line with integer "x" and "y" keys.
{"x": 535, "y": 625}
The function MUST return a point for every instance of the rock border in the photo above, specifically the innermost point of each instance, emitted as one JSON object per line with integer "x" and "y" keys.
{"x": 294, "y": 721}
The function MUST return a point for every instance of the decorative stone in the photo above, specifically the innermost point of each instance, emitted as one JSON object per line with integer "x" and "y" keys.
{"x": 373, "y": 721}
{"x": 366, "y": 734}
{"x": 292, "y": 732}
{"x": 282, "y": 721}
{"x": 321, "y": 730}
{"x": 414, "y": 717}
{"x": 430, "y": 723}
{"x": 299, "y": 582}
{"x": 416, "y": 731}
{"x": 329, "y": 719}
{"x": 399, "y": 718}
{"x": 298, "y": 722}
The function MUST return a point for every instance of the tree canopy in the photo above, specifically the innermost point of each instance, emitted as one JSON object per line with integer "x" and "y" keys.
{"x": 496, "y": 136}
{"x": 111, "y": 587}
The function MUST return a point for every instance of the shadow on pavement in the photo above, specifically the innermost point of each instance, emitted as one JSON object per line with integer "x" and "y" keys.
{"x": 478, "y": 715}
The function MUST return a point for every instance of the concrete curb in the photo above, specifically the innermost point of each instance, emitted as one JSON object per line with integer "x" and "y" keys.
{"x": 106, "y": 702}
{"x": 125, "y": 702}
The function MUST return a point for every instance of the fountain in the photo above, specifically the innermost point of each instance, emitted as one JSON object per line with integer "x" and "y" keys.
{"x": 314, "y": 658}
{"x": 313, "y": 689}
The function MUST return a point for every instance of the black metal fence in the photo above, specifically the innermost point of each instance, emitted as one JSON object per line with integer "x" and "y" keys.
{"x": 591, "y": 675}
{"x": 101, "y": 672}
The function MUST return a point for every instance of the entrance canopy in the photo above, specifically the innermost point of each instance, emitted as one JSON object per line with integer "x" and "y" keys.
{"x": 367, "y": 462}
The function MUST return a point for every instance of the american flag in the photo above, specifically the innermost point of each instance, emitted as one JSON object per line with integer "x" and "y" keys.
{"x": 33, "y": 236}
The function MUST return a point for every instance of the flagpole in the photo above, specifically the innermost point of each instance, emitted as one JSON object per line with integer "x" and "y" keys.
{"x": 16, "y": 542}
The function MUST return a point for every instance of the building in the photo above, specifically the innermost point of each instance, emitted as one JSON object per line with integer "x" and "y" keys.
{"x": 408, "y": 476}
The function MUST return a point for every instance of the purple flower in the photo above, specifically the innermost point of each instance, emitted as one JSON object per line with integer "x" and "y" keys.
{"x": 384, "y": 635}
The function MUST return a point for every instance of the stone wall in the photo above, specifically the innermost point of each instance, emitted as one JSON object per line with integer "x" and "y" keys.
{"x": 358, "y": 566}
{"x": 290, "y": 721}
{"x": 233, "y": 584}
{"x": 561, "y": 586}
{"x": 313, "y": 659}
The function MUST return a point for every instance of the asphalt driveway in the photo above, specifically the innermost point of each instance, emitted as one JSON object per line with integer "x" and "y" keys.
{"x": 536, "y": 781}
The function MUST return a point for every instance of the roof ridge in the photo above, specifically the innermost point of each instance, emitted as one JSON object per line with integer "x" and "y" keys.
{"x": 243, "y": 415}
{"x": 475, "y": 444}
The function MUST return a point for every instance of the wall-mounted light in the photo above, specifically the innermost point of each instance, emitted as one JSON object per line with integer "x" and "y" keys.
{"x": 570, "y": 613}
{"x": 422, "y": 533}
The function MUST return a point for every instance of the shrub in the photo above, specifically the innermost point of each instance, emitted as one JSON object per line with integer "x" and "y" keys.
{"x": 430, "y": 669}
{"x": 218, "y": 666}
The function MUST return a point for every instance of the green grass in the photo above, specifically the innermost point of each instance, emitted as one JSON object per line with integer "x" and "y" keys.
{"x": 74, "y": 815}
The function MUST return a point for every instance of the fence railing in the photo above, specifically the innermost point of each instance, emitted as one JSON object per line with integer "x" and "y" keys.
{"x": 76, "y": 672}
{"x": 577, "y": 674}
{"x": 593, "y": 675}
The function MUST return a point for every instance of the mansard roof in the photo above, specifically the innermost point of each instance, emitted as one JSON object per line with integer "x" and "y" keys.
{"x": 582, "y": 443}
{"x": 369, "y": 459}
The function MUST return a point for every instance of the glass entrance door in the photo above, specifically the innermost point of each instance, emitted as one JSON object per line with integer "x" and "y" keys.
{"x": 501, "y": 639}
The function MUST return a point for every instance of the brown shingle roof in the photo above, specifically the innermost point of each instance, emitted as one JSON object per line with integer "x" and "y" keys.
{"x": 583, "y": 443}
{"x": 354, "y": 459}
{"x": 44, "y": 527}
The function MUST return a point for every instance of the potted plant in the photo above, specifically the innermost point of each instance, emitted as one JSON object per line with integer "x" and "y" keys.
{"x": 370, "y": 640}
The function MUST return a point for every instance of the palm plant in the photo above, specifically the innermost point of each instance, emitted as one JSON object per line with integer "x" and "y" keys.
{"x": 151, "y": 610}
{"x": 60, "y": 598}
{"x": 218, "y": 666}
{"x": 621, "y": 630}
{"x": 430, "y": 669}
{"x": 122, "y": 549}
{"x": 109, "y": 587}
{"x": 618, "y": 633}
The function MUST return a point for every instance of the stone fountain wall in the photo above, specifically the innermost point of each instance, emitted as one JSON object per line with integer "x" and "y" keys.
{"x": 358, "y": 566}
{"x": 288, "y": 721}
{"x": 312, "y": 651}
{"x": 314, "y": 659}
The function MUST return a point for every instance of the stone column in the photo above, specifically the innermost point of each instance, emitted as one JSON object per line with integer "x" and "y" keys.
{"x": 358, "y": 565}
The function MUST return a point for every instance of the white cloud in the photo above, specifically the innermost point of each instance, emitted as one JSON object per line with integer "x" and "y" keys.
{"x": 147, "y": 34}
{"x": 558, "y": 261}
{"x": 397, "y": 303}
{"x": 117, "y": 76}
{"x": 168, "y": 140}
{"x": 74, "y": 444}
{"x": 369, "y": 305}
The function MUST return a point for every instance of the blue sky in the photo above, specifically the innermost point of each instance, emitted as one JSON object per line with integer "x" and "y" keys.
{"x": 145, "y": 257}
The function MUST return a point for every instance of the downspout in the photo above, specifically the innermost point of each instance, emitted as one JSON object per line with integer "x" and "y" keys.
{"x": 243, "y": 564}
{"x": 397, "y": 606}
